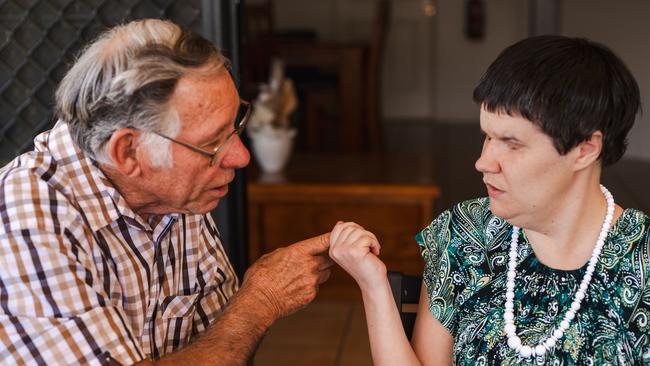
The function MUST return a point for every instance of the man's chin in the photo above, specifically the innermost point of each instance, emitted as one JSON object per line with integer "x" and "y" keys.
{"x": 208, "y": 207}
{"x": 208, "y": 201}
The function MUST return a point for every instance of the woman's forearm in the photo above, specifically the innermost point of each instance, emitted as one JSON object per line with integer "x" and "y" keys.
{"x": 388, "y": 341}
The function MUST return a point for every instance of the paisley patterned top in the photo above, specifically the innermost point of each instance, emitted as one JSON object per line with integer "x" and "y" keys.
{"x": 465, "y": 251}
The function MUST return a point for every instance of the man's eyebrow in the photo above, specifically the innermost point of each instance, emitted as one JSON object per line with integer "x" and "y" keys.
{"x": 219, "y": 133}
{"x": 214, "y": 138}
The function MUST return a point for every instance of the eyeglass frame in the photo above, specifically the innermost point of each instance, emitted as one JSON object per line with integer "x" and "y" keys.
{"x": 214, "y": 153}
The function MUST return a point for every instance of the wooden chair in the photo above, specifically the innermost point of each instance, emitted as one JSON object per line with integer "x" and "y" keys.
{"x": 373, "y": 74}
{"x": 406, "y": 292}
{"x": 258, "y": 44}
{"x": 323, "y": 135}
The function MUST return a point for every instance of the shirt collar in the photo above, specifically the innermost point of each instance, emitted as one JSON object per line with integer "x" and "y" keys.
{"x": 97, "y": 197}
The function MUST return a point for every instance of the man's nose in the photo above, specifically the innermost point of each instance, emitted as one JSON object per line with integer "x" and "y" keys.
{"x": 237, "y": 155}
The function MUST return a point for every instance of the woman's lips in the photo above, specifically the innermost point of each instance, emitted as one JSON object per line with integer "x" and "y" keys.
{"x": 493, "y": 191}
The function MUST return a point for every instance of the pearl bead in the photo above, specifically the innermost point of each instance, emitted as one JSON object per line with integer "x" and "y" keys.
{"x": 550, "y": 342}
{"x": 570, "y": 315}
{"x": 564, "y": 324}
{"x": 514, "y": 342}
{"x": 575, "y": 306}
{"x": 546, "y": 345}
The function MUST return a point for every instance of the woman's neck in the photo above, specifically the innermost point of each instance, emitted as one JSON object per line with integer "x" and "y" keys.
{"x": 565, "y": 238}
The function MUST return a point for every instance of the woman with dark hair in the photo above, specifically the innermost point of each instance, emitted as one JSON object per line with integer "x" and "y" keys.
{"x": 548, "y": 269}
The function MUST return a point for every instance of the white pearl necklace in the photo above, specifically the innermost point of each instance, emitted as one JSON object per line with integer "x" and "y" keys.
{"x": 546, "y": 345}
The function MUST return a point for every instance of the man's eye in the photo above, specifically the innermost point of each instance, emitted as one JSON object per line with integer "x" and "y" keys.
{"x": 213, "y": 144}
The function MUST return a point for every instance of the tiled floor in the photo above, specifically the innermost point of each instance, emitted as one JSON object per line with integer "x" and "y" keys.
{"x": 333, "y": 332}
{"x": 327, "y": 333}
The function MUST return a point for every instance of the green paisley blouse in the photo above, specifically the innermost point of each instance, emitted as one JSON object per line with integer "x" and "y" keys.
{"x": 465, "y": 251}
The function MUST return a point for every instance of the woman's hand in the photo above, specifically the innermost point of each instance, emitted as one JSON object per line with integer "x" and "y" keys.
{"x": 355, "y": 250}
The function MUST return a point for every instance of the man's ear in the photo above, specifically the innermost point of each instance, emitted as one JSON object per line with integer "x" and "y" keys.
{"x": 121, "y": 149}
{"x": 589, "y": 151}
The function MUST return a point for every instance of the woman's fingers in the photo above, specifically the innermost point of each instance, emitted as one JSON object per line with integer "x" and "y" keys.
{"x": 341, "y": 230}
{"x": 351, "y": 239}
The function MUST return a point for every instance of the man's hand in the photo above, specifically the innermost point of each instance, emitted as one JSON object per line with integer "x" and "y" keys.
{"x": 287, "y": 279}
{"x": 276, "y": 285}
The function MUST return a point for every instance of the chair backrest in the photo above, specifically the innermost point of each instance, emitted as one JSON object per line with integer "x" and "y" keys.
{"x": 406, "y": 292}
{"x": 258, "y": 41}
{"x": 380, "y": 29}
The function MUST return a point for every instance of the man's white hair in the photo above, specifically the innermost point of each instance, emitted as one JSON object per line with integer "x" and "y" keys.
{"x": 125, "y": 78}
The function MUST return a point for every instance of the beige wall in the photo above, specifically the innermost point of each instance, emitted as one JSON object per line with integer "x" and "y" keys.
{"x": 461, "y": 62}
{"x": 448, "y": 65}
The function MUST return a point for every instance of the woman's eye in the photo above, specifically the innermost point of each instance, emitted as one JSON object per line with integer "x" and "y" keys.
{"x": 512, "y": 145}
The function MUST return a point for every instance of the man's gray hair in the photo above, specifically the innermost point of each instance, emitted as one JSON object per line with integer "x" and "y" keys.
{"x": 125, "y": 78}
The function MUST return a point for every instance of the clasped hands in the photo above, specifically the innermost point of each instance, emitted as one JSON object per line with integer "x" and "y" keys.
{"x": 288, "y": 278}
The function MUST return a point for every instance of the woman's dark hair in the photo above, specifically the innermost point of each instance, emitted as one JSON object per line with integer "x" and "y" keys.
{"x": 569, "y": 87}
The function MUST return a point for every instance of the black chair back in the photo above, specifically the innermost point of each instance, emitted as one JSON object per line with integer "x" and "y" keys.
{"x": 406, "y": 292}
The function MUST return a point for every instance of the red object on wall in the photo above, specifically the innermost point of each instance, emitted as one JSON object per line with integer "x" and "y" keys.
{"x": 475, "y": 19}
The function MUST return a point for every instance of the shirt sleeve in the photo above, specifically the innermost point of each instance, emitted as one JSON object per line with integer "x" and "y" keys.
{"x": 53, "y": 308}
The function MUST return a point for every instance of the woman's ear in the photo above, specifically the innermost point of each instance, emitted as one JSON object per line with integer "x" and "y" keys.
{"x": 589, "y": 151}
{"x": 121, "y": 149}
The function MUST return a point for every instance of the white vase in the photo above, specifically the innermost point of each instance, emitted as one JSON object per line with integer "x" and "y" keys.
{"x": 272, "y": 147}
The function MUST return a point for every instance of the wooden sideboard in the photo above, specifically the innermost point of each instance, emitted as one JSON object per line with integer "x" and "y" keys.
{"x": 383, "y": 194}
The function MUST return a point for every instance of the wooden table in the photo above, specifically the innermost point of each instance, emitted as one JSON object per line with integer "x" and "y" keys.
{"x": 389, "y": 196}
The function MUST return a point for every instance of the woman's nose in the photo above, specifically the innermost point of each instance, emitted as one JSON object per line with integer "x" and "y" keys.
{"x": 487, "y": 163}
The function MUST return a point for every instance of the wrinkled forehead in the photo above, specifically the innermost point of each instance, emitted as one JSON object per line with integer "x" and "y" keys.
{"x": 205, "y": 98}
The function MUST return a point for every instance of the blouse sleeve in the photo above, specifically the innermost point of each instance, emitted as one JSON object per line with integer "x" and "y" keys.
{"x": 439, "y": 270}
{"x": 452, "y": 247}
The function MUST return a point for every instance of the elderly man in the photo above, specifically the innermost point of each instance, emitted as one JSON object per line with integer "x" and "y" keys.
{"x": 108, "y": 254}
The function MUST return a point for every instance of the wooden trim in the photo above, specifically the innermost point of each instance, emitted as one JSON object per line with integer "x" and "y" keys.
{"x": 261, "y": 191}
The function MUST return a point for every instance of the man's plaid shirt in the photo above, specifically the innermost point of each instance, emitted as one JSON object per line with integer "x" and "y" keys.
{"x": 84, "y": 279}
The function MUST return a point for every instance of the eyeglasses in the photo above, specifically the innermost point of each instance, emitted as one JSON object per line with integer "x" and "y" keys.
{"x": 240, "y": 124}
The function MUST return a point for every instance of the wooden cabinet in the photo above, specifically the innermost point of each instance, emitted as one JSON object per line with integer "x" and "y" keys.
{"x": 361, "y": 189}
